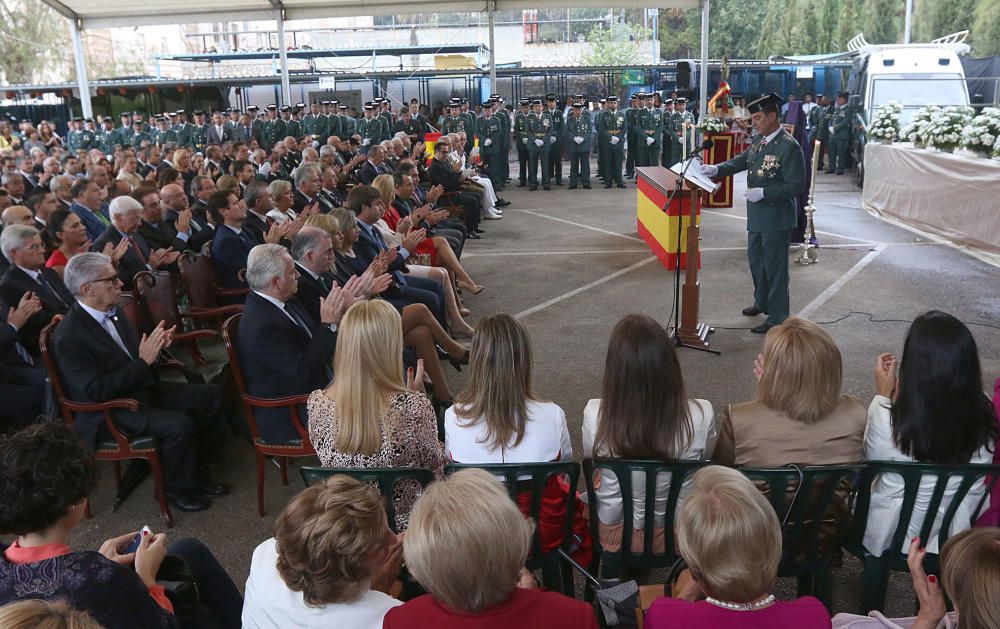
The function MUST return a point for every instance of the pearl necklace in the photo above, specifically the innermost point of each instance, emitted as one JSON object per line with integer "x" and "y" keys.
{"x": 742, "y": 607}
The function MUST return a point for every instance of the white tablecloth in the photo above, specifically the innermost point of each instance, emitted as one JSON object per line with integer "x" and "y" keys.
{"x": 947, "y": 196}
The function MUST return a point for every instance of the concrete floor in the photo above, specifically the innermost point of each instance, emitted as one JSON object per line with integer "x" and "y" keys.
{"x": 569, "y": 264}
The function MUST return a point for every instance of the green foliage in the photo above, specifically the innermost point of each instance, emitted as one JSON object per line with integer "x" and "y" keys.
{"x": 986, "y": 28}
{"x": 847, "y": 25}
{"x": 618, "y": 45}
{"x": 32, "y": 38}
{"x": 881, "y": 21}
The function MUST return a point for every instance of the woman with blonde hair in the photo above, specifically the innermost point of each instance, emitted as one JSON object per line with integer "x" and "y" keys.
{"x": 228, "y": 183}
{"x": 730, "y": 537}
{"x": 466, "y": 545}
{"x": 369, "y": 416}
{"x": 347, "y": 265}
{"x": 284, "y": 196}
{"x": 799, "y": 414}
{"x": 329, "y": 224}
{"x": 39, "y": 614}
{"x": 332, "y": 561}
{"x": 497, "y": 418}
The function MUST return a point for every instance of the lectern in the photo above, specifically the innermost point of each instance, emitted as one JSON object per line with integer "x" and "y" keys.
{"x": 670, "y": 228}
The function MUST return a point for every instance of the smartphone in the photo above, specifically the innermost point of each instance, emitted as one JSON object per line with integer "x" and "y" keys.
{"x": 134, "y": 544}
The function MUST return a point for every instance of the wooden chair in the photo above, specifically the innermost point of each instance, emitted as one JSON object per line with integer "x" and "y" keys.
{"x": 203, "y": 290}
{"x": 159, "y": 297}
{"x": 386, "y": 478}
{"x": 300, "y": 447}
{"x": 645, "y": 558}
{"x": 808, "y": 501}
{"x": 556, "y": 574}
{"x": 130, "y": 308}
{"x": 120, "y": 446}
{"x": 938, "y": 513}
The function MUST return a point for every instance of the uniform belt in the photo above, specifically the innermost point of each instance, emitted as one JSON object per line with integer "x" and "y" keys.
{"x": 649, "y": 132}
{"x": 540, "y": 135}
{"x": 614, "y": 131}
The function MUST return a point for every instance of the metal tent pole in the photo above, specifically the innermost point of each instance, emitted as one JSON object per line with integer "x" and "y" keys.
{"x": 286, "y": 88}
{"x": 703, "y": 76}
{"x": 81, "y": 69}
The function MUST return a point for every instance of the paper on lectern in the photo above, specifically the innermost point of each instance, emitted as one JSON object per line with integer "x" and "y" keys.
{"x": 695, "y": 175}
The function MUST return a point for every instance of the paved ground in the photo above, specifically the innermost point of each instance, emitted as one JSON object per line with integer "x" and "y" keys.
{"x": 570, "y": 264}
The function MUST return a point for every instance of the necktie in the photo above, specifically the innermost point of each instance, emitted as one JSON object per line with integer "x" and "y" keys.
{"x": 322, "y": 282}
{"x": 23, "y": 353}
{"x": 298, "y": 321}
{"x": 108, "y": 324}
{"x": 101, "y": 218}
{"x": 45, "y": 284}
{"x": 247, "y": 240}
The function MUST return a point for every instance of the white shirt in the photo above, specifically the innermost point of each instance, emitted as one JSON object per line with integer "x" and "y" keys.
{"x": 32, "y": 274}
{"x": 887, "y": 490}
{"x": 546, "y": 438}
{"x": 771, "y": 135}
{"x": 107, "y": 325}
{"x": 271, "y": 604}
{"x": 609, "y": 500}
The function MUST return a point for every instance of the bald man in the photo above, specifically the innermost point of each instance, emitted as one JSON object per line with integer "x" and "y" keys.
{"x": 17, "y": 215}
{"x": 158, "y": 232}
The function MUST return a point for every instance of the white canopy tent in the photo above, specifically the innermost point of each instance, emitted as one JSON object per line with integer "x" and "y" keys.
{"x": 87, "y": 14}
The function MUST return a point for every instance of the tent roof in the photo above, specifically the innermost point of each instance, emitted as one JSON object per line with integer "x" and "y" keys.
{"x": 112, "y": 13}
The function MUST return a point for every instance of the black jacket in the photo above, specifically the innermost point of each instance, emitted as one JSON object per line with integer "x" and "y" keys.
{"x": 56, "y": 300}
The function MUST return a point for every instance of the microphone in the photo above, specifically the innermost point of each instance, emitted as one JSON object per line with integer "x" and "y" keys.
{"x": 707, "y": 144}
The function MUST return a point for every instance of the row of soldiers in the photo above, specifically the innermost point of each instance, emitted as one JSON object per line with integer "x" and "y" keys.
{"x": 830, "y": 123}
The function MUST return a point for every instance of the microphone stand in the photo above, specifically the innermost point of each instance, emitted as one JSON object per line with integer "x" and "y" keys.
{"x": 678, "y": 186}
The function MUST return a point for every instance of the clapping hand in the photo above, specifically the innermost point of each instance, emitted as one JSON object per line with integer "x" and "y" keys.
{"x": 885, "y": 375}
{"x": 296, "y": 224}
{"x": 435, "y": 193}
{"x": 29, "y": 305}
{"x": 183, "y": 222}
{"x": 333, "y": 306}
{"x": 932, "y": 605}
{"x": 404, "y": 225}
{"x": 413, "y": 238}
{"x": 277, "y": 232}
{"x": 115, "y": 252}
{"x": 437, "y": 216}
{"x": 148, "y": 557}
{"x": 153, "y": 343}
{"x": 163, "y": 257}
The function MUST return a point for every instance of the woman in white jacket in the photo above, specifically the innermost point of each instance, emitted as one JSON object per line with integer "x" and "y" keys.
{"x": 935, "y": 412}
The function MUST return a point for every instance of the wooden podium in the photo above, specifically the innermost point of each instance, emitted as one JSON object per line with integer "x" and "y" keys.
{"x": 670, "y": 228}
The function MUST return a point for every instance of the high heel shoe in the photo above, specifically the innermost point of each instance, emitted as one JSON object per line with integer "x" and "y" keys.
{"x": 458, "y": 362}
{"x": 472, "y": 289}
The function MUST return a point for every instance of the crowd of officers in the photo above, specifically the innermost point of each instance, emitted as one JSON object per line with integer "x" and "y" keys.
{"x": 542, "y": 134}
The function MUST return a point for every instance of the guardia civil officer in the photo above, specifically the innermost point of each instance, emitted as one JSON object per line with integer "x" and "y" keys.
{"x": 776, "y": 175}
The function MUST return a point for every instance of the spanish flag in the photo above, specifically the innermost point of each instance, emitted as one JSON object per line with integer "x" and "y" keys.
{"x": 658, "y": 226}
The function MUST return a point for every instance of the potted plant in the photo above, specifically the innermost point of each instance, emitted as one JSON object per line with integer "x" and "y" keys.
{"x": 980, "y": 135}
{"x": 916, "y": 131}
{"x": 712, "y": 125}
{"x": 944, "y": 131}
{"x": 884, "y": 126}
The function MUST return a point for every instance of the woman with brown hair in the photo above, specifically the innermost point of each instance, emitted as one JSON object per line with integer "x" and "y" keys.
{"x": 799, "y": 414}
{"x": 368, "y": 416}
{"x": 643, "y": 413}
{"x": 332, "y": 561}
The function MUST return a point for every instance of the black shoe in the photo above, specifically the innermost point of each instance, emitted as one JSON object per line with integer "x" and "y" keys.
{"x": 546, "y": 188}
{"x": 621, "y": 185}
{"x": 572, "y": 186}
{"x": 521, "y": 184}
{"x": 532, "y": 188}
{"x": 479, "y": 230}
{"x": 828, "y": 172}
{"x": 587, "y": 187}
{"x": 502, "y": 203}
{"x": 559, "y": 183}
{"x": 752, "y": 311}
{"x": 763, "y": 327}
{"x": 840, "y": 172}
{"x": 213, "y": 490}
{"x": 607, "y": 185}
{"x": 458, "y": 362}
{"x": 187, "y": 501}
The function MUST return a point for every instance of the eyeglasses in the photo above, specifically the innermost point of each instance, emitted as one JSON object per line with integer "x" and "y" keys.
{"x": 112, "y": 279}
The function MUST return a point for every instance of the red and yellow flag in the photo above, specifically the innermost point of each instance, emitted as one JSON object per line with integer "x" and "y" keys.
{"x": 658, "y": 227}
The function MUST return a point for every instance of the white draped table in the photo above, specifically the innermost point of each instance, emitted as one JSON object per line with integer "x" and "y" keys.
{"x": 947, "y": 196}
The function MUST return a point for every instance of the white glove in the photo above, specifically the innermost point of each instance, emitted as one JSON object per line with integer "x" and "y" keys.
{"x": 524, "y": 140}
{"x": 539, "y": 143}
{"x": 365, "y": 142}
{"x": 615, "y": 139}
{"x": 754, "y": 195}
{"x": 710, "y": 169}
{"x": 552, "y": 140}
{"x": 578, "y": 140}
{"x": 649, "y": 141}
{"x": 487, "y": 142}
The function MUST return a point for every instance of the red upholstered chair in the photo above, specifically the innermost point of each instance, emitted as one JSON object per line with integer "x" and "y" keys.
{"x": 120, "y": 446}
{"x": 301, "y": 447}
{"x": 158, "y": 294}
{"x": 202, "y": 288}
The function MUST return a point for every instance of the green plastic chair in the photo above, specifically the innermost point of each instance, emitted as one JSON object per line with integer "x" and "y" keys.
{"x": 612, "y": 563}
{"x": 556, "y": 574}
{"x": 803, "y": 497}
{"x": 877, "y": 569}
{"x": 385, "y": 477}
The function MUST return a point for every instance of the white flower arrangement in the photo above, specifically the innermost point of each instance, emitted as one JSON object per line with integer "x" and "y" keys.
{"x": 885, "y": 122}
{"x": 980, "y": 135}
{"x": 916, "y": 131}
{"x": 996, "y": 149}
{"x": 712, "y": 125}
{"x": 944, "y": 131}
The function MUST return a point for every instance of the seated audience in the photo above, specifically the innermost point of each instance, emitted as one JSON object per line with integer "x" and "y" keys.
{"x": 126, "y": 214}
{"x": 46, "y": 475}
{"x": 730, "y": 538}
{"x": 369, "y": 416}
{"x": 87, "y": 205}
{"x": 469, "y": 515}
{"x": 331, "y": 563}
{"x": 37, "y": 614}
{"x": 101, "y": 357}
{"x": 447, "y": 174}
{"x": 643, "y": 413}
{"x": 283, "y": 197}
{"x": 22, "y": 246}
{"x": 283, "y": 351}
{"x": 934, "y": 412}
{"x": 498, "y": 419}
{"x": 799, "y": 414}
{"x": 69, "y": 235}
{"x": 155, "y": 230}
{"x": 22, "y": 379}
{"x": 437, "y": 222}
{"x": 231, "y": 243}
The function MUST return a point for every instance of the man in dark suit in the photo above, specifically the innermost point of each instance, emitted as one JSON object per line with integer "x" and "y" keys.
{"x": 126, "y": 214}
{"x": 243, "y": 132}
{"x": 232, "y": 243}
{"x": 367, "y": 205}
{"x": 101, "y": 357}
{"x": 445, "y": 173}
{"x": 22, "y": 247}
{"x": 22, "y": 381}
{"x": 373, "y": 167}
{"x": 283, "y": 351}
{"x": 158, "y": 233}
{"x": 307, "y": 187}
{"x": 217, "y": 131}
{"x": 202, "y": 189}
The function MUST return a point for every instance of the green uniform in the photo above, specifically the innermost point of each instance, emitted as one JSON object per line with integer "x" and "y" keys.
{"x": 293, "y": 128}
{"x": 199, "y": 137}
{"x": 312, "y": 125}
{"x": 821, "y": 124}
{"x": 489, "y": 130}
{"x": 161, "y": 137}
{"x": 556, "y": 148}
{"x": 521, "y": 142}
{"x": 840, "y": 137}
{"x": 470, "y": 130}
{"x": 138, "y": 138}
{"x": 578, "y": 133}
{"x": 74, "y": 141}
{"x": 540, "y": 136}
{"x": 257, "y": 128}
{"x": 369, "y": 129}
{"x": 106, "y": 141}
{"x": 348, "y": 126}
{"x": 181, "y": 132}
{"x": 124, "y": 135}
{"x": 274, "y": 132}
{"x": 779, "y": 169}
{"x": 631, "y": 117}
{"x": 612, "y": 124}
{"x": 504, "y": 144}
{"x": 649, "y": 132}
{"x": 454, "y": 124}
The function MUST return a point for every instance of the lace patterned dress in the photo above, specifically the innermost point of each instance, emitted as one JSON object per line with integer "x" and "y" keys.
{"x": 409, "y": 439}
